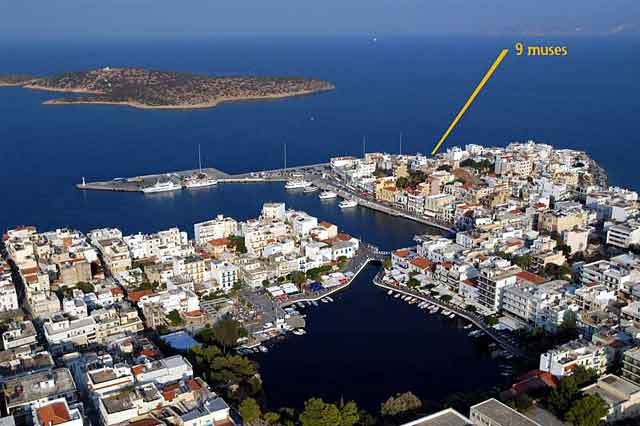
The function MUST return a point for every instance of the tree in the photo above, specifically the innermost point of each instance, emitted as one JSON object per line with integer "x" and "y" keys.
{"x": 522, "y": 402}
{"x": 446, "y": 298}
{"x": 402, "y": 182}
{"x": 298, "y": 277}
{"x": 413, "y": 283}
{"x": 471, "y": 308}
{"x": 226, "y": 332}
{"x": 561, "y": 398}
{"x": 349, "y": 414}
{"x": 319, "y": 413}
{"x": 271, "y": 418}
{"x": 386, "y": 263}
{"x": 587, "y": 411}
{"x": 174, "y": 318}
{"x": 522, "y": 261}
{"x": 584, "y": 376}
{"x": 249, "y": 410}
{"x": 400, "y": 404}
{"x": 237, "y": 243}
{"x": 85, "y": 287}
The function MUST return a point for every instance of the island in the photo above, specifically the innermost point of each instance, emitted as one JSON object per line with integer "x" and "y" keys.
{"x": 143, "y": 88}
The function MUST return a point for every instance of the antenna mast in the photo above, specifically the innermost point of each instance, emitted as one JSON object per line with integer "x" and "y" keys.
{"x": 199, "y": 159}
{"x": 400, "y": 143}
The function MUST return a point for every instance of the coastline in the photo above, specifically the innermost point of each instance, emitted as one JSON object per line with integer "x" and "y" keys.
{"x": 134, "y": 104}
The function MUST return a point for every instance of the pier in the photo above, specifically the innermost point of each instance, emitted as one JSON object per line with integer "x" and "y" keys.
{"x": 475, "y": 319}
{"x": 318, "y": 174}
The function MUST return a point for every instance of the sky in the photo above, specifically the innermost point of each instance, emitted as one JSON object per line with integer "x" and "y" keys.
{"x": 60, "y": 19}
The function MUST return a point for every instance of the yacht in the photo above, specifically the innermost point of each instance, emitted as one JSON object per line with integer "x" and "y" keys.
{"x": 311, "y": 188}
{"x": 345, "y": 204}
{"x": 161, "y": 187}
{"x": 327, "y": 195}
{"x": 200, "y": 182}
{"x": 297, "y": 184}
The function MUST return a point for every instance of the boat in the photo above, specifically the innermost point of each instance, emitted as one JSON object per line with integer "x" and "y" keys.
{"x": 468, "y": 326}
{"x": 314, "y": 303}
{"x": 446, "y": 313}
{"x": 452, "y": 316}
{"x": 300, "y": 305}
{"x": 263, "y": 349}
{"x": 345, "y": 204}
{"x": 390, "y": 292}
{"x": 329, "y": 299}
{"x": 297, "y": 184}
{"x": 161, "y": 187}
{"x": 327, "y": 195}
{"x": 324, "y": 300}
{"x": 200, "y": 179}
{"x": 396, "y": 296}
{"x": 311, "y": 188}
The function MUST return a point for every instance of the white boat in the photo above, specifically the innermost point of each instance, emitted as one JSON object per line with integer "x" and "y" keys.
{"x": 452, "y": 316}
{"x": 390, "y": 292}
{"x": 161, "y": 187}
{"x": 263, "y": 349}
{"x": 297, "y": 184}
{"x": 314, "y": 303}
{"x": 329, "y": 299}
{"x": 396, "y": 296}
{"x": 345, "y": 204}
{"x": 312, "y": 188}
{"x": 200, "y": 182}
{"x": 327, "y": 195}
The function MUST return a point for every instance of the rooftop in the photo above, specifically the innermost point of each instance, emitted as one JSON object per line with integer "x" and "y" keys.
{"x": 501, "y": 414}
{"x": 38, "y": 386}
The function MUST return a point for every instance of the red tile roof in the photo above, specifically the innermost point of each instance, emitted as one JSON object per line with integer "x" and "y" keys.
{"x": 421, "y": 263}
{"x": 401, "y": 253}
{"x": 54, "y": 414}
{"x": 528, "y": 276}
{"x": 134, "y": 296}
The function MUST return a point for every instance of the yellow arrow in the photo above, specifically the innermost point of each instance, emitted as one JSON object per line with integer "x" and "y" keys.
{"x": 486, "y": 77}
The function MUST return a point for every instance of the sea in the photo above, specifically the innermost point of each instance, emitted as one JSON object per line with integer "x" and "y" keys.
{"x": 366, "y": 346}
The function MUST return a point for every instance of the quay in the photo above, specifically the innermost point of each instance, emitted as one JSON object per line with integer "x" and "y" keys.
{"x": 318, "y": 174}
{"x": 475, "y": 319}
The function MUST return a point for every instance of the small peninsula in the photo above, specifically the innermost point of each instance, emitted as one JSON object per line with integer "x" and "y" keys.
{"x": 143, "y": 88}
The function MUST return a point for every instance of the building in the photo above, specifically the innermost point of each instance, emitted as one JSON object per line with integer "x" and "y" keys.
{"x": 57, "y": 413}
{"x": 621, "y": 396}
{"x": 224, "y": 274}
{"x": 60, "y": 330}
{"x": 494, "y": 413}
{"x": 492, "y": 282}
{"x": 448, "y": 417}
{"x": 163, "y": 371}
{"x": 35, "y": 390}
{"x": 631, "y": 365}
{"x": 124, "y": 406}
{"x": 220, "y": 227}
{"x": 562, "y": 360}
{"x": 19, "y": 334}
{"x": 105, "y": 380}
{"x": 624, "y": 235}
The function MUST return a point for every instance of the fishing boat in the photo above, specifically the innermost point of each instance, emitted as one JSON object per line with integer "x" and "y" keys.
{"x": 345, "y": 204}
{"x": 327, "y": 195}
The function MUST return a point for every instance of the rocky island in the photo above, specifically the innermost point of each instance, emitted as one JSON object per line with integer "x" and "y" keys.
{"x": 142, "y": 88}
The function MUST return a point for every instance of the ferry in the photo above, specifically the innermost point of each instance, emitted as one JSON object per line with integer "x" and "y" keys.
{"x": 311, "y": 188}
{"x": 161, "y": 187}
{"x": 297, "y": 184}
{"x": 327, "y": 195}
{"x": 346, "y": 204}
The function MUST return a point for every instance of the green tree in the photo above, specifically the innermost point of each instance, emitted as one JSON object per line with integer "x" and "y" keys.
{"x": 446, "y": 298}
{"x": 584, "y": 376}
{"x": 298, "y": 277}
{"x": 85, "y": 287}
{"x": 402, "y": 183}
{"x": 237, "y": 243}
{"x": 400, "y": 404}
{"x": 386, "y": 263}
{"x": 249, "y": 410}
{"x": 349, "y": 414}
{"x": 226, "y": 332}
{"x": 587, "y": 411}
{"x": 471, "y": 308}
{"x": 319, "y": 413}
{"x": 272, "y": 418}
{"x": 287, "y": 416}
{"x": 522, "y": 261}
{"x": 561, "y": 398}
{"x": 174, "y": 318}
{"x": 522, "y": 402}
{"x": 413, "y": 283}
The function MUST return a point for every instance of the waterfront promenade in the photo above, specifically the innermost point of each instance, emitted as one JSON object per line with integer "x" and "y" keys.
{"x": 476, "y": 319}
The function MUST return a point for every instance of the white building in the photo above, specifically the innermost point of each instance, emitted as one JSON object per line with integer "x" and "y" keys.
{"x": 624, "y": 235}
{"x": 220, "y": 227}
{"x": 166, "y": 370}
{"x": 224, "y": 274}
{"x": 562, "y": 360}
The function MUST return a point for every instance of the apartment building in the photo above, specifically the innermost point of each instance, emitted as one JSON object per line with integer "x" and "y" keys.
{"x": 19, "y": 333}
{"x": 492, "y": 282}
{"x": 220, "y": 227}
{"x": 621, "y": 396}
{"x": 624, "y": 235}
{"x": 562, "y": 360}
{"x": 166, "y": 370}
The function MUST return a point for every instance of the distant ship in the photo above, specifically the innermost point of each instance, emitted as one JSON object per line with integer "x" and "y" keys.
{"x": 345, "y": 204}
{"x": 161, "y": 187}
{"x": 327, "y": 195}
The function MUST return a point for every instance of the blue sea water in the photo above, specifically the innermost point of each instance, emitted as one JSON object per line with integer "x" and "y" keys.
{"x": 587, "y": 100}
